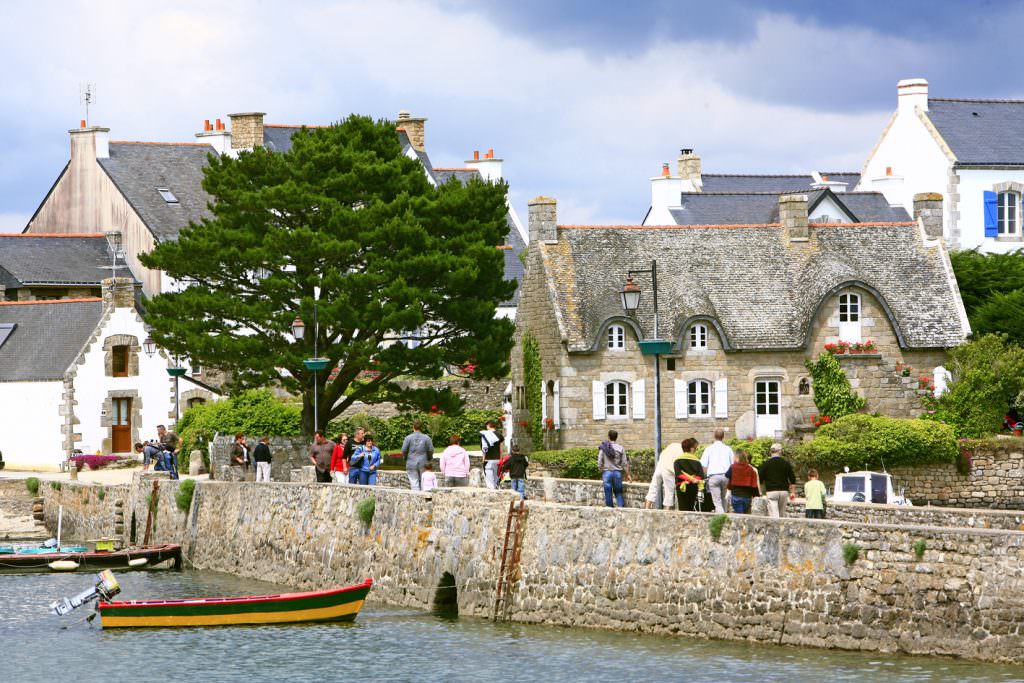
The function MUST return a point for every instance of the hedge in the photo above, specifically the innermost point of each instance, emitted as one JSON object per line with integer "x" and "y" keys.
{"x": 388, "y": 433}
{"x": 871, "y": 442}
{"x": 581, "y": 463}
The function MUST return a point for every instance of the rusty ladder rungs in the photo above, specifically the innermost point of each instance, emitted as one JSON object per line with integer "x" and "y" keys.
{"x": 510, "y": 554}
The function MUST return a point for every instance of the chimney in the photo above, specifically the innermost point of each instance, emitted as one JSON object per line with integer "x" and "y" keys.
{"x": 119, "y": 292}
{"x": 689, "y": 170}
{"x": 246, "y": 130}
{"x": 928, "y": 212}
{"x": 88, "y": 143}
{"x": 489, "y": 167}
{"x": 793, "y": 216}
{"x": 543, "y": 219}
{"x": 665, "y": 193}
{"x": 217, "y": 136}
{"x": 910, "y": 94}
{"x": 414, "y": 128}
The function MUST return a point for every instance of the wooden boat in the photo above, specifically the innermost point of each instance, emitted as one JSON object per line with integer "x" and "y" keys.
{"x": 75, "y": 559}
{"x": 338, "y": 604}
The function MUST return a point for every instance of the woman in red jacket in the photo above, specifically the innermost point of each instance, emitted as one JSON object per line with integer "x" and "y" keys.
{"x": 742, "y": 483}
{"x": 339, "y": 464}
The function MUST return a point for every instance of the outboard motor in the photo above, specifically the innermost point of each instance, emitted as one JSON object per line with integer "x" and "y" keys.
{"x": 106, "y": 587}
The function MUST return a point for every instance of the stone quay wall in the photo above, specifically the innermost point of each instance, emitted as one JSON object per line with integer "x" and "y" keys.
{"x": 763, "y": 580}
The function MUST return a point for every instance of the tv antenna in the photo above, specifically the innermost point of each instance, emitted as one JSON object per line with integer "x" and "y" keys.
{"x": 87, "y": 94}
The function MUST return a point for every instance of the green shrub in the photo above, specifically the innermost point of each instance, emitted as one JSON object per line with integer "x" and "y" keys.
{"x": 851, "y": 551}
{"x": 365, "y": 509}
{"x": 833, "y": 395}
{"x": 581, "y": 463}
{"x": 756, "y": 449}
{"x": 716, "y": 524}
{"x": 183, "y": 497}
{"x": 919, "y": 548}
{"x": 101, "y": 493}
{"x": 55, "y": 485}
{"x": 871, "y": 442}
{"x": 534, "y": 383}
{"x": 32, "y": 484}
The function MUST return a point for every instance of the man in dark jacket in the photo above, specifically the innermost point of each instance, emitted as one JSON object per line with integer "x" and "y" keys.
{"x": 778, "y": 480}
{"x": 261, "y": 454}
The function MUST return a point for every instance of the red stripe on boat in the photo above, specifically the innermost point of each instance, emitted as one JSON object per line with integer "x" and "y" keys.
{"x": 240, "y": 600}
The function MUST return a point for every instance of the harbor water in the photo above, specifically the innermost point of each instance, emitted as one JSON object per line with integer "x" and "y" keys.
{"x": 391, "y": 644}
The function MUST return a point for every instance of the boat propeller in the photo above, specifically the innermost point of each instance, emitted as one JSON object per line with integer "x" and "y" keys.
{"x": 106, "y": 587}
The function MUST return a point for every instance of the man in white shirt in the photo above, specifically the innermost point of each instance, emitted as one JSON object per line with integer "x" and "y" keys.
{"x": 716, "y": 460}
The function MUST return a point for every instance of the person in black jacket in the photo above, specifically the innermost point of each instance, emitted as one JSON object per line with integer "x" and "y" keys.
{"x": 261, "y": 455}
{"x": 689, "y": 476}
{"x": 516, "y": 466}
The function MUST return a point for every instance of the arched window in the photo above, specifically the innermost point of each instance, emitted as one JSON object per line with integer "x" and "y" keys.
{"x": 698, "y": 397}
{"x": 849, "y": 317}
{"x": 616, "y": 337}
{"x": 119, "y": 361}
{"x": 699, "y": 337}
{"x": 1009, "y": 219}
{"x": 196, "y": 401}
{"x": 616, "y": 399}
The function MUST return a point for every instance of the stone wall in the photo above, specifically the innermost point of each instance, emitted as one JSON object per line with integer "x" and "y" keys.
{"x": 287, "y": 453}
{"x": 86, "y": 517}
{"x": 475, "y": 395}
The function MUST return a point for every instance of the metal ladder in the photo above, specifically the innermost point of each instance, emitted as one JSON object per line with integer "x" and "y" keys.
{"x": 510, "y": 551}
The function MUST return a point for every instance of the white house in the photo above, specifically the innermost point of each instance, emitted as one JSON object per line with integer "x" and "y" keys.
{"x": 74, "y": 375}
{"x": 968, "y": 151}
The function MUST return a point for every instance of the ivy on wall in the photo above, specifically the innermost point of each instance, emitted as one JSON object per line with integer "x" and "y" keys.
{"x": 833, "y": 395}
{"x": 533, "y": 380}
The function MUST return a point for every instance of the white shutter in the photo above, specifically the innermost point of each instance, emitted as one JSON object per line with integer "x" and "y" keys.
{"x": 722, "y": 397}
{"x": 597, "y": 389}
{"x": 543, "y": 403}
{"x": 639, "y": 402}
{"x": 555, "y": 409}
{"x": 681, "y": 407}
{"x": 941, "y": 379}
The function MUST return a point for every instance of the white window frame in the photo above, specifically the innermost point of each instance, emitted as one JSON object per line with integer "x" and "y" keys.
{"x": 849, "y": 312}
{"x": 699, "y": 336}
{"x": 699, "y": 398}
{"x": 616, "y": 398}
{"x": 616, "y": 338}
{"x": 1008, "y": 215}
{"x": 765, "y": 418}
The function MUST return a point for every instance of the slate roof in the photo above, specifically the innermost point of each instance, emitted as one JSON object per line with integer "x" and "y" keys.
{"x": 139, "y": 168}
{"x": 47, "y": 337}
{"x": 730, "y": 182}
{"x": 981, "y": 131}
{"x": 762, "y": 289}
{"x": 33, "y": 259}
{"x": 726, "y": 208}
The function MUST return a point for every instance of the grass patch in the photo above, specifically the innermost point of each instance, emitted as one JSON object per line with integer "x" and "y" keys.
{"x": 32, "y": 484}
{"x": 101, "y": 493}
{"x": 919, "y": 548}
{"x": 851, "y": 551}
{"x": 55, "y": 485}
{"x": 183, "y": 497}
{"x": 365, "y": 509}
{"x": 716, "y": 524}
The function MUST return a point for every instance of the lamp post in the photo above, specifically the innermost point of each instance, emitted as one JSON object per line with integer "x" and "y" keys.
{"x": 315, "y": 363}
{"x": 656, "y": 346}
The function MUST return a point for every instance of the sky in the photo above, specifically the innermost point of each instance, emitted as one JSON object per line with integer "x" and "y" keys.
{"x": 584, "y": 100}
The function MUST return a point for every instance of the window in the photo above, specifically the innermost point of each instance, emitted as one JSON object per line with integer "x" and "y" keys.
{"x": 520, "y": 398}
{"x": 197, "y": 401}
{"x": 119, "y": 361}
{"x": 699, "y": 337}
{"x": 766, "y": 396}
{"x": 167, "y": 195}
{"x": 849, "y": 317}
{"x": 615, "y": 401}
{"x": 698, "y": 398}
{"x": 670, "y": 364}
{"x": 1008, "y": 219}
{"x": 616, "y": 337}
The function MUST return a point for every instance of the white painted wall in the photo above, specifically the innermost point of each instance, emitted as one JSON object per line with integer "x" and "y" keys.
{"x": 973, "y": 184}
{"x": 30, "y": 435}
{"x": 92, "y": 385}
{"x": 665, "y": 193}
{"x": 828, "y": 208}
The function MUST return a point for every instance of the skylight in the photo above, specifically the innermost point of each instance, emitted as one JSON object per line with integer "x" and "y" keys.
{"x": 167, "y": 195}
{"x": 5, "y": 331}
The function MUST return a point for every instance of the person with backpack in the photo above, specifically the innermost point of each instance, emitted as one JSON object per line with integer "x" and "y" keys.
{"x": 490, "y": 446}
{"x": 613, "y": 463}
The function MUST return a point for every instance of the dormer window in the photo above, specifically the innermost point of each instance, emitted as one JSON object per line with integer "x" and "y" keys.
{"x": 699, "y": 337}
{"x": 1008, "y": 222}
{"x": 849, "y": 317}
{"x": 616, "y": 338}
{"x": 167, "y": 195}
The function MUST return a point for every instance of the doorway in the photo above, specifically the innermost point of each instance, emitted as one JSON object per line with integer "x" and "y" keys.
{"x": 767, "y": 405}
{"x": 121, "y": 425}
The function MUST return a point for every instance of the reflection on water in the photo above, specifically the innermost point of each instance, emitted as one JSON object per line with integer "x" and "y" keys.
{"x": 387, "y": 644}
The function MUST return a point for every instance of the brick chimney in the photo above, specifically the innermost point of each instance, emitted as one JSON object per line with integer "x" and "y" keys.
{"x": 414, "y": 127}
{"x": 119, "y": 292}
{"x": 690, "y": 171}
{"x": 217, "y": 135}
{"x": 246, "y": 130}
{"x": 928, "y": 211}
{"x": 910, "y": 94}
{"x": 793, "y": 216}
{"x": 543, "y": 219}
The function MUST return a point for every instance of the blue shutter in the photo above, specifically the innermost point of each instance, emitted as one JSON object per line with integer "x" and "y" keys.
{"x": 991, "y": 214}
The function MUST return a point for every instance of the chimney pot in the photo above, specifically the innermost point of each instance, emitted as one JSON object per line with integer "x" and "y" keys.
{"x": 888, "y": 170}
{"x": 543, "y": 219}
{"x": 490, "y": 153}
{"x": 910, "y": 94}
{"x": 664, "y": 171}
{"x": 82, "y": 124}
{"x": 686, "y": 150}
{"x": 476, "y": 155}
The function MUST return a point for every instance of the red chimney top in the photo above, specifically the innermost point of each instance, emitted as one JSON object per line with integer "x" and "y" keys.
{"x": 206, "y": 125}
{"x": 220, "y": 126}
{"x": 664, "y": 171}
{"x": 82, "y": 125}
{"x": 476, "y": 155}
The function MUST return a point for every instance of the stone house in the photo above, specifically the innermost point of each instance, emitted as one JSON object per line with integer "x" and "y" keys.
{"x": 74, "y": 375}
{"x": 969, "y": 153}
{"x": 743, "y": 303}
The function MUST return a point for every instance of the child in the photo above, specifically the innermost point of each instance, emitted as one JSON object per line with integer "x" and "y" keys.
{"x": 814, "y": 496}
{"x": 370, "y": 461}
{"x": 428, "y": 480}
{"x": 517, "y": 464}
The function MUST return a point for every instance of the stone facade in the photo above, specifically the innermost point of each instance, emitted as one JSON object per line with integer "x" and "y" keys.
{"x": 247, "y": 130}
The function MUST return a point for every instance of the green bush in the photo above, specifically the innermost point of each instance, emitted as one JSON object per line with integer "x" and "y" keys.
{"x": 32, "y": 484}
{"x": 389, "y": 433}
{"x": 533, "y": 379}
{"x": 919, "y": 548}
{"x": 867, "y": 441}
{"x": 183, "y": 497}
{"x": 716, "y": 524}
{"x": 101, "y": 493}
{"x": 851, "y": 551}
{"x": 581, "y": 463}
{"x": 365, "y": 509}
{"x": 756, "y": 449}
{"x": 55, "y": 485}
{"x": 833, "y": 395}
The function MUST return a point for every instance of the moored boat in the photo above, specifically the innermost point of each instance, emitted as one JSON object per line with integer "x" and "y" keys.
{"x": 338, "y": 604}
{"x": 80, "y": 558}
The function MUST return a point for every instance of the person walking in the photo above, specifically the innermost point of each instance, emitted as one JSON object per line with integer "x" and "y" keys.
{"x": 613, "y": 462}
{"x": 455, "y": 463}
{"x": 516, "y": 465}
{"x": 689, "y": 474}
{"x": 661, "y": 493}
{"x": 350, "y": 454}
{"x": 490, "y": 446}
{"x": 320, "y": 455}
{"x": 262, "y": 457}
{"x": 417, "y": 449}
{"x": 238, "y": 456}
{"x": 370, "y": 462}
{"x": 716, "y": 461}
{"x": 428, "y": 480}
{"x": 779, "y": 481}
{"x": 743, "y": 483}
{"x": 339, "y": 463}
{"x": 814, "y": 496}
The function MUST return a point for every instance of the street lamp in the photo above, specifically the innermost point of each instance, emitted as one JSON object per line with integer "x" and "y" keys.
{"x": 630, "y": 296}
{"x": 316, "y": 364}
{"x": 149, "y": 346}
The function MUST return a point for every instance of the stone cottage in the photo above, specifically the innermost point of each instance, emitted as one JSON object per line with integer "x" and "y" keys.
{"x": 742, "y": 305}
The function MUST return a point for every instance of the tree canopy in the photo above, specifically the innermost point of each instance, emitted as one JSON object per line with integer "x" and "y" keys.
{"x": 410, "y": 274}
{"x": 992, "y": 288}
